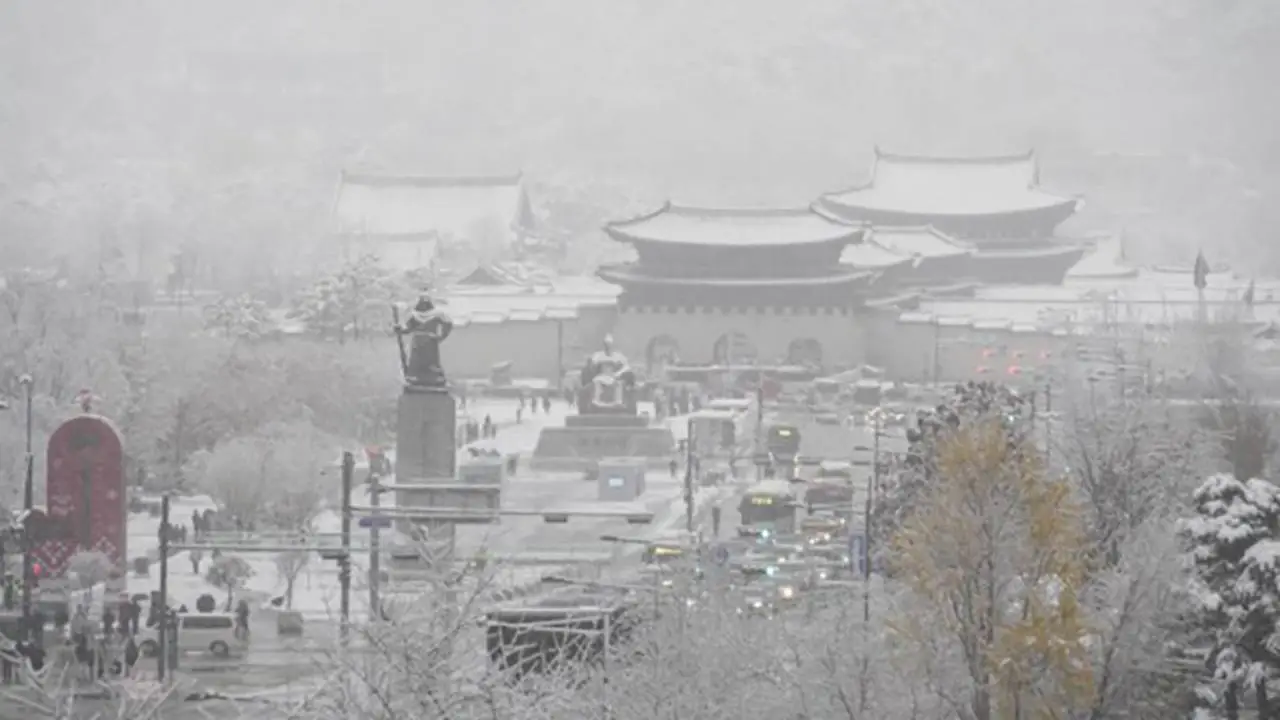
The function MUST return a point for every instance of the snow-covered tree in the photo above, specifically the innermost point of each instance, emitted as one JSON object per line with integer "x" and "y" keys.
{"x": 229, "y": 573}
{"x": 1235, "y": 543}
{"x": 1137, "y": 606}
{"x": 289, "y": 565}
{"x": 91, "y": 568}
{"x": 239, "y": 317}
{"x": 59, "y": 695}
{"x": 275, "y": 475}
{"x": 346, "y": 304}
{"x": 1132, "y": 457}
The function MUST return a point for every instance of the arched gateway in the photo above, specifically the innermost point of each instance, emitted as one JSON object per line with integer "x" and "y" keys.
{"x": 662, "y": 350}
{"x": 734, "y": 348}
{"x": 806, "y": 352}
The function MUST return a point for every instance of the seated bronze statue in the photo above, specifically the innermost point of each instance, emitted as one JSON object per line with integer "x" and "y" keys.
{"x": 608, "y": 384}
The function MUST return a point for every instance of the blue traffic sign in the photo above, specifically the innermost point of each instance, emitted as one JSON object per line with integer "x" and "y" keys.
{"x": 858, "y": 553}
{"x": 375, "y": 521}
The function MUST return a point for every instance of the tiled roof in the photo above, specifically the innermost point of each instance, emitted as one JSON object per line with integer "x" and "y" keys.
{"x": 733, "y": 227}
{"x": 916, "y": 242}
{"x": 920, "y": 185}
{"x": 873, "y": 256}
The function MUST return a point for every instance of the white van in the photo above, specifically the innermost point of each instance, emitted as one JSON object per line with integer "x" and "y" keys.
{"x": 214, "y": 633}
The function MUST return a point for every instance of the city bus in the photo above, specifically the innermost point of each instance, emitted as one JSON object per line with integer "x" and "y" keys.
{"x": 768, "y": 509}
{"x": 782, "y": 443}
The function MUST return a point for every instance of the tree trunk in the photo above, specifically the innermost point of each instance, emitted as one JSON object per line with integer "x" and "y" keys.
{"x": 982, "y": 704}
{"x": 1231, "y": 701}
{"x": 1263, "y": 702}
{"x": 229, "y": 592}
{"x": 288, "y": 592}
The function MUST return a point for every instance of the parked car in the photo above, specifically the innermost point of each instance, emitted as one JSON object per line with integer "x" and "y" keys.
{"x": 214, "y": 633}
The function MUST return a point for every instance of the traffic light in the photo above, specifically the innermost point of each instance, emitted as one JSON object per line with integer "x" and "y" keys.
{"x": 379, "y": 464}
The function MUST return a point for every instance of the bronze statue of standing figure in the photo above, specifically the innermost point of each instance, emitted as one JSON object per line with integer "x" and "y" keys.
{"x": 428, "y": 326}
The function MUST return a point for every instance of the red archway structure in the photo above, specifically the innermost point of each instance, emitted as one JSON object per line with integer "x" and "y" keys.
{"x": 85, "y": 494}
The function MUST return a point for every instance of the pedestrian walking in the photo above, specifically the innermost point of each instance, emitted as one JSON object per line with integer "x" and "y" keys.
{"x": 673, "y": 466}
{"x": 546, "y": 404}
{"x": 715, "y": 520}
{"x": 242, "y": 620}
{"x": 196, "y": 556}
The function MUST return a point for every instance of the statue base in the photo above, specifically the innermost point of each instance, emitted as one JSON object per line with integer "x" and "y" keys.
{"x": 616, "y": 421}
{"x": 426, "y": 427}
{"x": 585, "y": 440}
{"x": 411, "y": 389}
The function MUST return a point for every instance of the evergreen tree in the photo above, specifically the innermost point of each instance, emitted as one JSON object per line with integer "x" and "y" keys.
{"x": 1234, "y": 542}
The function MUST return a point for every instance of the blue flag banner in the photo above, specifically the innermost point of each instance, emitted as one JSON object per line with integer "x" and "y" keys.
{"x": 858, "y": 553}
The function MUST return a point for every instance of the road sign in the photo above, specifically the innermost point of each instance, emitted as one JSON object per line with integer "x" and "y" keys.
{"x": 375, "y": 521}
{"x": 720, "y": 555}
{"x": 858, "y": 553}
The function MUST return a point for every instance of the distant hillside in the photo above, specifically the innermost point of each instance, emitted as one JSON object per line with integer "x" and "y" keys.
{"x": 225, "y": 123}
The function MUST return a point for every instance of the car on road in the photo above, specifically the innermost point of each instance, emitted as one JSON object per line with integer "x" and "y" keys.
{"x": 214, "y": 633}
{"x": 834, "y": 558}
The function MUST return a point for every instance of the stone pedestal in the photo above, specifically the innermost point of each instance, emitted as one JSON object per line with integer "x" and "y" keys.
{"x": 585, "y": 440}
{"x": 425, "y": 427}
{"x": 427, "y": 476}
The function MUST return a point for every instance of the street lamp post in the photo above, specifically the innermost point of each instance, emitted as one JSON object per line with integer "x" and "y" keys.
{"x": 28, "y": 504}
{"x": 690, "y": 457}
{"x": 876, "y": 416}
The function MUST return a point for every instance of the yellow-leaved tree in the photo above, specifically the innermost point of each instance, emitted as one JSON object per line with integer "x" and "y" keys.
{"x": 993, "y": 555}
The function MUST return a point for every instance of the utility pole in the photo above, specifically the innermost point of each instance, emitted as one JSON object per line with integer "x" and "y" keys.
{"x": 759, "y": 428}
{"x": 688, "y": 476}
{"x": 344, "y": 562}
{"x": 937, "y": 348}
{"x": 875, "y": 417}
{"x": 162, "y": 629}
{"x": 866, "y": 516}
{"x": 28, "y": 504}
{"x": 1048, "y": 423}
{"x": 560, "y": 355}
{"x": 375, "y": 549}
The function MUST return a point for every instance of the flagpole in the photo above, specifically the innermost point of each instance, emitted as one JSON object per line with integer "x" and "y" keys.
{"x": 1200, "y": 276}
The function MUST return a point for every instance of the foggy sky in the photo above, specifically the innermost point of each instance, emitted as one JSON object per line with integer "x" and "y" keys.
{"x": 170, "y": 112}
